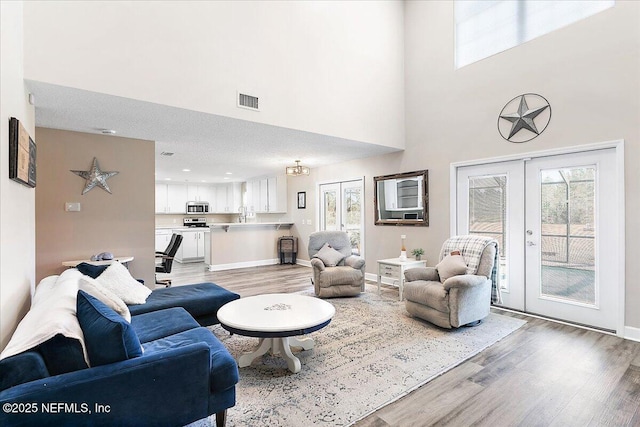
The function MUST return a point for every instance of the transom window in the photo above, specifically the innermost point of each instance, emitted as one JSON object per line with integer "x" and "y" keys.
{"x": 487, "y": 27}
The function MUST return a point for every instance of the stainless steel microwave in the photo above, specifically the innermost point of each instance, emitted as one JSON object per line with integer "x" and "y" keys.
{"x": 197, "y": 207}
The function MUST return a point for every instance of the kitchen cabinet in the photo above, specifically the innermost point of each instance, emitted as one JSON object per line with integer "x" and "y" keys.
{"x": 192, "y": 247}
{"x": 263, "y": 195}
{"x": 163, "y": 237}
{"x": 171, "y": 198}
{"x": 161, "y": 198}
{"x": 201, "y": 193}
{"x": 267, "y": 195}
{"x": 228, "y": 198}
{"x": 176, "y": 198}
{"x": 222, "y": 198}
{"x": 254, "y": 200}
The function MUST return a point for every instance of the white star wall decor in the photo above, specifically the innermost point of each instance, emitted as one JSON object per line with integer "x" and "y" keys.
{"x": 95, "y": 177}
{"x": 529, "y": 120}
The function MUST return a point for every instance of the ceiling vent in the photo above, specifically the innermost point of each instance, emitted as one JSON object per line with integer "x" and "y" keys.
{"x": 166, "y": 153}
{"x": 248, "y": 101}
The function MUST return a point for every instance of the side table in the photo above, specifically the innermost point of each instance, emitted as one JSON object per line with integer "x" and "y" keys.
{"x": 394, "y": 268}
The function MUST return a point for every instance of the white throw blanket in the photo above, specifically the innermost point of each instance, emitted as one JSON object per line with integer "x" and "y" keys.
{"x": 53, "y": 312}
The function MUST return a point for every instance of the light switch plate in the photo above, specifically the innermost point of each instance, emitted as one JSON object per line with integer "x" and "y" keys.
{"x": 72, "y": 207}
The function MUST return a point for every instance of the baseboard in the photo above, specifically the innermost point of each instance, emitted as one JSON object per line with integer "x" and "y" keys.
{"x": 245, "y": 264}
{"x": 303, "y": 262}
{"x": 631, "y": 333}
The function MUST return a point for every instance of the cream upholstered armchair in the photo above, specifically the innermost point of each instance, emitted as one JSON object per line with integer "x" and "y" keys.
{"x": 460, "y": 289}
{"x": 336, "y": 272}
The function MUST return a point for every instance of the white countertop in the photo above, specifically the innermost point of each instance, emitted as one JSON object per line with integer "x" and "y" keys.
{"x": 247, "y": 224}
{"x": 183, "y": 228}
{"x": 225, "y": 225}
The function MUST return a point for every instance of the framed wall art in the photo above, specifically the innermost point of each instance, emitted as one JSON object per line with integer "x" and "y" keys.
{"x": 22, "y": 154}
{"x": 302, "y": 200}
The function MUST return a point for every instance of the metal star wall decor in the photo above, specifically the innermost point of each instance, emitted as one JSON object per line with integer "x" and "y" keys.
{"x": 521, "y": 126}
{"x": 95, "y": 177}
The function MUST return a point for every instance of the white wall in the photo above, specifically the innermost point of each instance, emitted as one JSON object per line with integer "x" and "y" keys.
{"x": 17, "y": 202}
{"x": 334, "y": 68}
{"x": 588, "y": 71}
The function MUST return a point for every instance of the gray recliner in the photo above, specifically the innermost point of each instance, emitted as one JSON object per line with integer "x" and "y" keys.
{"x": 347, "y": 277}
{"x": 462, "y": 299}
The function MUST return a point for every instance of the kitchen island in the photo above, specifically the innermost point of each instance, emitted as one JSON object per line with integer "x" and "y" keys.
{"x": 246, "y": 244}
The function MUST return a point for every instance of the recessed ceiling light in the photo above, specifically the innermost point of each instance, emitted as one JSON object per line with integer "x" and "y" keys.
{"x": 228, "y": 173}
{"x": 204, "y": 180}
{"x": 108, "y": 131}
{"x": 186, "y": 170}
{"x": 167, "y": 179}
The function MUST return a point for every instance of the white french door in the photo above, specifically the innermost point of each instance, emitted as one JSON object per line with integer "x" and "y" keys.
{"x": 571, "y": 242}
{"x": 341, "y": 209}
{"x": 557, "y": 223}
{"x": 490, "y": 200}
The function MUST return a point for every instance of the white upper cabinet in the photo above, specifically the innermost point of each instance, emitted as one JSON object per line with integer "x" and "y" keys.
{"x": 278, "y": 202}
{"x": 222, "y": 198}
{"x": 161, "y": 198}
{"x": 226, "y": 198}
{"x": 171, "y": 198}
{"x": 177, "y": 198}
{"x": 201, "y": 193}
{"x": 267, "y": 195}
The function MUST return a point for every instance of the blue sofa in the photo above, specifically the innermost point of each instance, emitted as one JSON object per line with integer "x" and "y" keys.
{"x": 182, "y": 374}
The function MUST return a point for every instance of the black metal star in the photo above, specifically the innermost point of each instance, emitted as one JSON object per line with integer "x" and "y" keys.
{"x": 95, "y": 177}
{"x": 523, "y": 119}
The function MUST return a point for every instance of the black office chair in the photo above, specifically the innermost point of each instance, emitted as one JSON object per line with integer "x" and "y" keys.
{"x": 167, "y": 259}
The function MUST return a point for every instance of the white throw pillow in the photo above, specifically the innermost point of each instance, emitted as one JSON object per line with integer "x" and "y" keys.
{"x": 451, "y": 265}
{"x": 329, "y": 256}
{"x": 111, "y": 300}
{"x": 117, "y": 279}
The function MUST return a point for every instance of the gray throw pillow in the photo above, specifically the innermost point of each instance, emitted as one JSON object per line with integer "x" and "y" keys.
{"x": 451, "y": 265}
{"x": 329, "y": 256}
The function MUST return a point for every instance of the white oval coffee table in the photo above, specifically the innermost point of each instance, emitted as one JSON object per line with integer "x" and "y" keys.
{"x": 276, "y": 319}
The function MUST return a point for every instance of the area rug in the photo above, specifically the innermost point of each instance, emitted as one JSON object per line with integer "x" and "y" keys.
{"x": 371, "y": 354}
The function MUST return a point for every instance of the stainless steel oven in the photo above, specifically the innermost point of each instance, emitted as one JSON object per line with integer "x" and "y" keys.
{"x": 197, "y": 207}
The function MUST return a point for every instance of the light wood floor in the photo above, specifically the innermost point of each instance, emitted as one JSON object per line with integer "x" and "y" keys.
{"x": 544, "y": 374}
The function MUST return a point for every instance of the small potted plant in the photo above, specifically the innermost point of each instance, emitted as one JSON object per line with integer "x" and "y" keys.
{"x": 418, "y": 252}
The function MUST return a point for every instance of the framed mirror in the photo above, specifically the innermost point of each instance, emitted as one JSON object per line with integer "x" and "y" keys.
{"x": 402, "y": 199}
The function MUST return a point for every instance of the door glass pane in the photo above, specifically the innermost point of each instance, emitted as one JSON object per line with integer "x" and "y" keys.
{"x": 487, "y": 214}
{"x": 330, "y": 212}
{"x": 352, "y": 205}
{"x": 568, "y": 234}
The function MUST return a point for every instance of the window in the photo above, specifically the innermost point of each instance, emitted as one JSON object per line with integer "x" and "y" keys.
{"x": 484, "y": 27}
